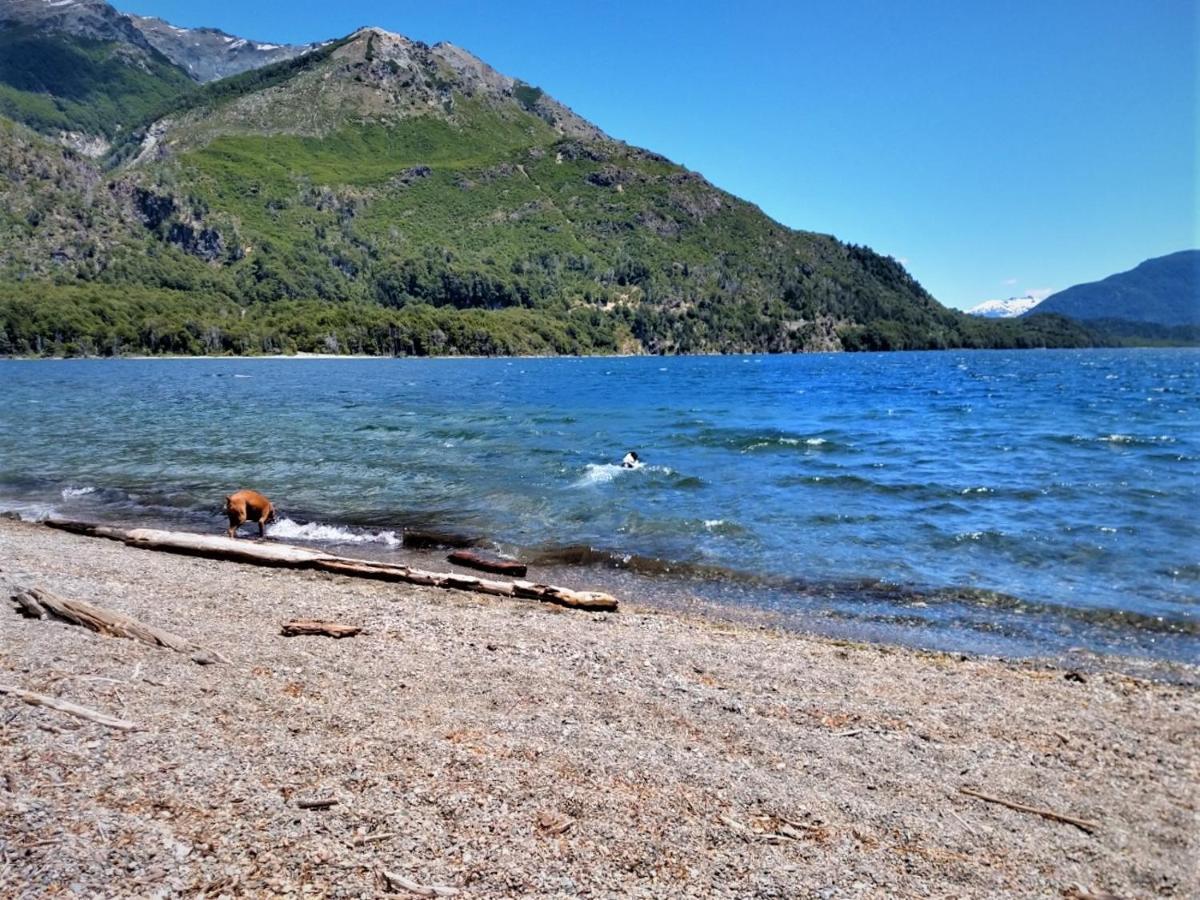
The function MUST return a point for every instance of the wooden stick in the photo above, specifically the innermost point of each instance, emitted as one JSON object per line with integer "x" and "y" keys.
{"x": 286, "y": 556}
{"x": 318, "y": 803}
{"x": 314, "y": 626}
{"x": 1081, "y": 824}
{"x": 373, "y": 838}
{"x": 421, "y": 890}
{"x": 71, "y": 708}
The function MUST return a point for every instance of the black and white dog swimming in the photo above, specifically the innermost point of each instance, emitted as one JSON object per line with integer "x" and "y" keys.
{"x": 630, "y": 460}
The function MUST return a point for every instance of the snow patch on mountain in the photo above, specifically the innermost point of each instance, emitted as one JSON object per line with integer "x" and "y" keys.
{"x": 1005, "y": 309}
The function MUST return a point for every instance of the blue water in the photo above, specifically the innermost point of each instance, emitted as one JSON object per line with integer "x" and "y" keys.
{"x": 1018, "y": 503}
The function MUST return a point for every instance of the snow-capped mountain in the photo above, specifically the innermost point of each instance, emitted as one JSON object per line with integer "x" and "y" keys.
{"x": 208, "y": 53}
{"x": 1004, "y": 309}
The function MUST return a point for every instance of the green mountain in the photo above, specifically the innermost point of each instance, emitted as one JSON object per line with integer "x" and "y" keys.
{"x": 1164, "y": 291}
{"x": 379, "y": 195}
{"x": 80, "y": 69}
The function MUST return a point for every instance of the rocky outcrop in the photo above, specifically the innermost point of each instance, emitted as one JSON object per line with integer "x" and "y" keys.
{"x": 205, "y": 243}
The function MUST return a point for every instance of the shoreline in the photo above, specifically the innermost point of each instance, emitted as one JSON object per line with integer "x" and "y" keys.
{"x": 500, "y": 747}
{"x": 702, "y": 594}
{"x": 764, "y": 354}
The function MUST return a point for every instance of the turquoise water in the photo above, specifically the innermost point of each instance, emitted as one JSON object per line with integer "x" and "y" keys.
{"x": 1017, "y": 503}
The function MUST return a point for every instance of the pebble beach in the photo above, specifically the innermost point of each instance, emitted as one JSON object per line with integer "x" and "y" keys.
{"x": 476, "y": 746}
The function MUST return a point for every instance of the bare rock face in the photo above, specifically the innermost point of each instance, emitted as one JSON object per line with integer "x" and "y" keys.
{"x": 208, "y": 54}
{"x": 93, "y": 19}
{"x": 476, "y": 75}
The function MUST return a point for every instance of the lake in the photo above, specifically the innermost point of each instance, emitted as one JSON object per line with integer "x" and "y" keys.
{"x": 1017, "y": 503}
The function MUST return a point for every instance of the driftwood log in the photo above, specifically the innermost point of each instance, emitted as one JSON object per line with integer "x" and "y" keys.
{"x": 39, "y": 603}
{"x": 287, "y": 556}
{"x": 431, "y": 540}
{"x": 297, "y": 627}
{"x": 487, "y": 562}
{"x": 66, "y": 706}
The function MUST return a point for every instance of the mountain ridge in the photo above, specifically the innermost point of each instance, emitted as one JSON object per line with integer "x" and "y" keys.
{"x": 389, "y": 196}
{"x": 1163, "y": 291}
{"x": 209, "y": 54}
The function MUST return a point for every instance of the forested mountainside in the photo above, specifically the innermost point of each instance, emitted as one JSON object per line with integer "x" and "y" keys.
{"x": 1164, "y": 291}
{"x": 378, "y": 195}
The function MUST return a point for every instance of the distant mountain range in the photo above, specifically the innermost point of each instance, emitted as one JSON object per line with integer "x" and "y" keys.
{"x": 1163, "y": 291}
{"x": 189, "y": 191}
{"x": 1004, "y": 309}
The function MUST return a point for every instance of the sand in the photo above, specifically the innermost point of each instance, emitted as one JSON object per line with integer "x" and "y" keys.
{"x": 506, "y": 748}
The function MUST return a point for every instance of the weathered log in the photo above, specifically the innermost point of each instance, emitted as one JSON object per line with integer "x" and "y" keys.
{"x": 66, "y": 706}
{"x": 433, "y": 540}
{"x": 548, "y": 593}
{"x": 106, "y": 622}
{"x": 91, "y": 529}
{"x": 297, "y": 627}
{"x": 213, "y": 546}
{"x": 488, "y": 562}
{"x": 29, "y": 606}
{"x": 288, "y": 556}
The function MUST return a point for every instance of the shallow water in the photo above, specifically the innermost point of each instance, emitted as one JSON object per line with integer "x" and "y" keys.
{"x": 1016, "y": 503}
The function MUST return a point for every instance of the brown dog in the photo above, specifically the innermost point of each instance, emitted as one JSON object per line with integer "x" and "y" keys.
{"x": 248, "y": 506}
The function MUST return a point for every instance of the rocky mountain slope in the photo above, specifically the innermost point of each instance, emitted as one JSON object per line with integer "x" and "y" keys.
{"x": 90, "y": 19}
{"x": 79, "y": 70}
{"x": 380, "y": 195}
{"x": 208, "y": 54}
{"x": 1163, "y": 291}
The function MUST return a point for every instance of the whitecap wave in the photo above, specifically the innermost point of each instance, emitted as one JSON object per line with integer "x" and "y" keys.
{"x": 329, "y": 534}
{"x": 69, "y": 493}
{"x": 600, "y": 473}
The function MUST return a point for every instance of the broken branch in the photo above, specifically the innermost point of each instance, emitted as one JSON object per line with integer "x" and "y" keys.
{"x": 74, "y": 709}
{"x": 1081, "y": 824}
{"x": 315, "y": 626}
{"x": 421, "y": 890}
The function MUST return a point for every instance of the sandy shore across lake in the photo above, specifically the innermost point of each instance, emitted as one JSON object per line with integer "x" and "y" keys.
{"x": 507, "y": 748}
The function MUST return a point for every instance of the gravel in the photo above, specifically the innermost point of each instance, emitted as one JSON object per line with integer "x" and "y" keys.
{"x": 507, "y": 748}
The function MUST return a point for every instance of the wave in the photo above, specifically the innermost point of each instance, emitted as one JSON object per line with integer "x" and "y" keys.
{"x": 29, "y": 511}
{"x": 754, "y": 441}
{"x": 1137, "y": 440}
{"x": 70, "y": 493}
{"x": 290, "y": 530}
{"x": 600, "y": 473}
{"x": 595, "y": 474}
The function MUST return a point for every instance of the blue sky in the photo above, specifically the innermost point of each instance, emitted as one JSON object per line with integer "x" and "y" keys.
{"x": 995, "y": 147}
